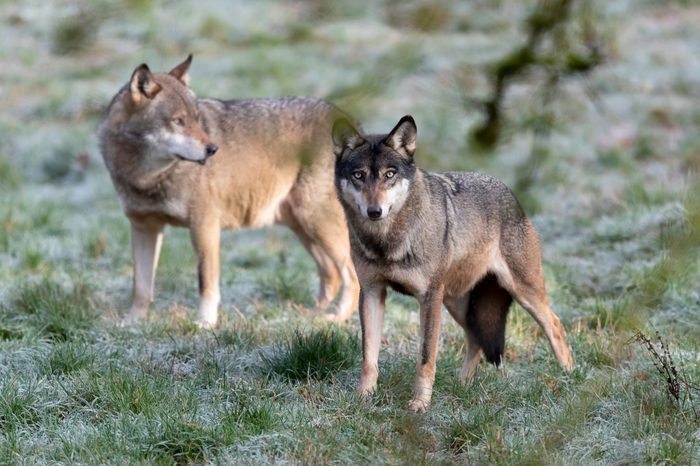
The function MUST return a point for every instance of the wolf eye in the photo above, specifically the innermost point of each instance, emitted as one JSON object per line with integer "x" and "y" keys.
{"x": 358, "y": 174}
{"x": 179, "y": 121}
{"x": 389, "y": 174}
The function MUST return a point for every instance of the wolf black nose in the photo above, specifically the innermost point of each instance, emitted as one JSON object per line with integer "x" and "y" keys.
{"x": 211, "y": 149}
{"x": 374, "y": 212}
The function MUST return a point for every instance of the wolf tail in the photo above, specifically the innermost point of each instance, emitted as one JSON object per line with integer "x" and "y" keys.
{"x": 486, "y": 317}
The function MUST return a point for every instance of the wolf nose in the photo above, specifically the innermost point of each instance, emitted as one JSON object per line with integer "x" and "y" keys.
{"x": 211, "y": 149}
{"x": 374, "y": 213}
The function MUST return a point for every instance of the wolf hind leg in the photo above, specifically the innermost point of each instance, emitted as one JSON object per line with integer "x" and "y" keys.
{"x": 329, "y": 276}
{"x": 525, "y": 280}
{"x": 337, "y": 253}
{"x": 458, "y": 310}
{"x": 350, "y": 295}
{"x": 534, "y": 301}
{"x": 326, "y": 238}
{"x": 330, "y": 234}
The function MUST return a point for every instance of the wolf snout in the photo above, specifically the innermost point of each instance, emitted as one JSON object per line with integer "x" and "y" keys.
{"x": 211, "y": 149}
{"x": 374, "y": 212}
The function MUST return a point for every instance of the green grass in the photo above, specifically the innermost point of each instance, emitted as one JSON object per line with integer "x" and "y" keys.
{"x": 18, "y": 404}
{"x": 287, "y": 285}
{"x": 10, "y": 177}
{"x": 47, "y": 309}
{"x": 318, "y": 354}
{"x": 608, "y": 171}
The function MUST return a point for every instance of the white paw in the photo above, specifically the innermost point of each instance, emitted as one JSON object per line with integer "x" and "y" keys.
{"x": 208, "y": 313}
{"x": 205, "y": 325}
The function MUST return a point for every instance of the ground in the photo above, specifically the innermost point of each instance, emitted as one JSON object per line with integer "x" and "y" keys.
{"x": 611, "y": 187}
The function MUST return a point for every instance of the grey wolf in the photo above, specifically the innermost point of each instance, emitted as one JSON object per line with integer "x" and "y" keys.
{"x": 458, "y": 239}
{"x": 206, "y": 164}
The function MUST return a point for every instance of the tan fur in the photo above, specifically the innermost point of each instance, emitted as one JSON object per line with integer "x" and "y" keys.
{"x": 273, "y": 165}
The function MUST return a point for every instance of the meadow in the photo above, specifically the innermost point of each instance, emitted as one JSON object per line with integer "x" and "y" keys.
{"x": 605, "y": 162}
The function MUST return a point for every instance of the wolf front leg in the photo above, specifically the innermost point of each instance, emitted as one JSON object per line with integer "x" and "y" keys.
{"x": 430, "y": 318}
{"x": 206, "y": 237}
{"x": 146, "y": 241}
{"x": 372, "y": 299}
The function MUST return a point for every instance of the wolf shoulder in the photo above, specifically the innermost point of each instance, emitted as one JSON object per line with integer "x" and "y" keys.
{"x": 293, "y": 109}
{"x": 477, "y": 191}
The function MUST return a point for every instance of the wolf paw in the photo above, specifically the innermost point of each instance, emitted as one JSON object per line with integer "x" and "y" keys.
{"x": 337, "y": 318}
{"x": 130, "y": 318}
{"x": 331, "y": 317}
{"x": 366, "y": 391}
{"x": 205, "y": 324}
{"x": 568, "y": 365}
{"x": 418, "y": 405}
{"x": 124, "y": 323}
{"x": 466, "y": 379}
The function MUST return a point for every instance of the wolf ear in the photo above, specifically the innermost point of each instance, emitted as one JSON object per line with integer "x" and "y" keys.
{"x": 345, "y": 136}
{"x": 403, "y": 137}
{"x": 181, "y": 71}
{"x": 143, "y": 87}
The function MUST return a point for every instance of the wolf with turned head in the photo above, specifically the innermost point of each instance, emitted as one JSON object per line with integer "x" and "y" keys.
{"x": 207, "y": 165}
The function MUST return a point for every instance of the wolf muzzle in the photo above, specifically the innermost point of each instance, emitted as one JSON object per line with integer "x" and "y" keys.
{"x": 209, "y": 151}
{"x": 374, "y": 212}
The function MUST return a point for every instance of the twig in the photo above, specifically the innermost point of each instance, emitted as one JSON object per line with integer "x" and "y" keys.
{"x": 678, "y": 388}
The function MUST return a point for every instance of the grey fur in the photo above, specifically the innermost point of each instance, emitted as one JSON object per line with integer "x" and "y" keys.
{"x": 449, "y": 234}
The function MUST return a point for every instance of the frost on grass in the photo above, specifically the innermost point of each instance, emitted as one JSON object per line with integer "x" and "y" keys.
{"x": 680, "y": 390}
{"x": 609, "y": 186}
{"x": 314, "y": 354}
{"x": 49, "y": 309}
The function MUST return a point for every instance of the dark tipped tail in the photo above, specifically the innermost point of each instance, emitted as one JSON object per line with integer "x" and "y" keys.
{"x": 486, "y": 317}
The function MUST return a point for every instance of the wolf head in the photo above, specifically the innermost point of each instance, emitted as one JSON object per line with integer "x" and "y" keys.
{"x": 373, "y": 173}
{"x": 161, "y": 112}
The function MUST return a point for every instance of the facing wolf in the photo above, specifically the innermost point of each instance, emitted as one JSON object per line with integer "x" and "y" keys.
{"x": 458, "y": 239}
{"x": 259, "y": 162}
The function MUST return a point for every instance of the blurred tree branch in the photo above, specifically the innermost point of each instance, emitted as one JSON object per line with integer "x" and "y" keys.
{"x": 564, "y": 56}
